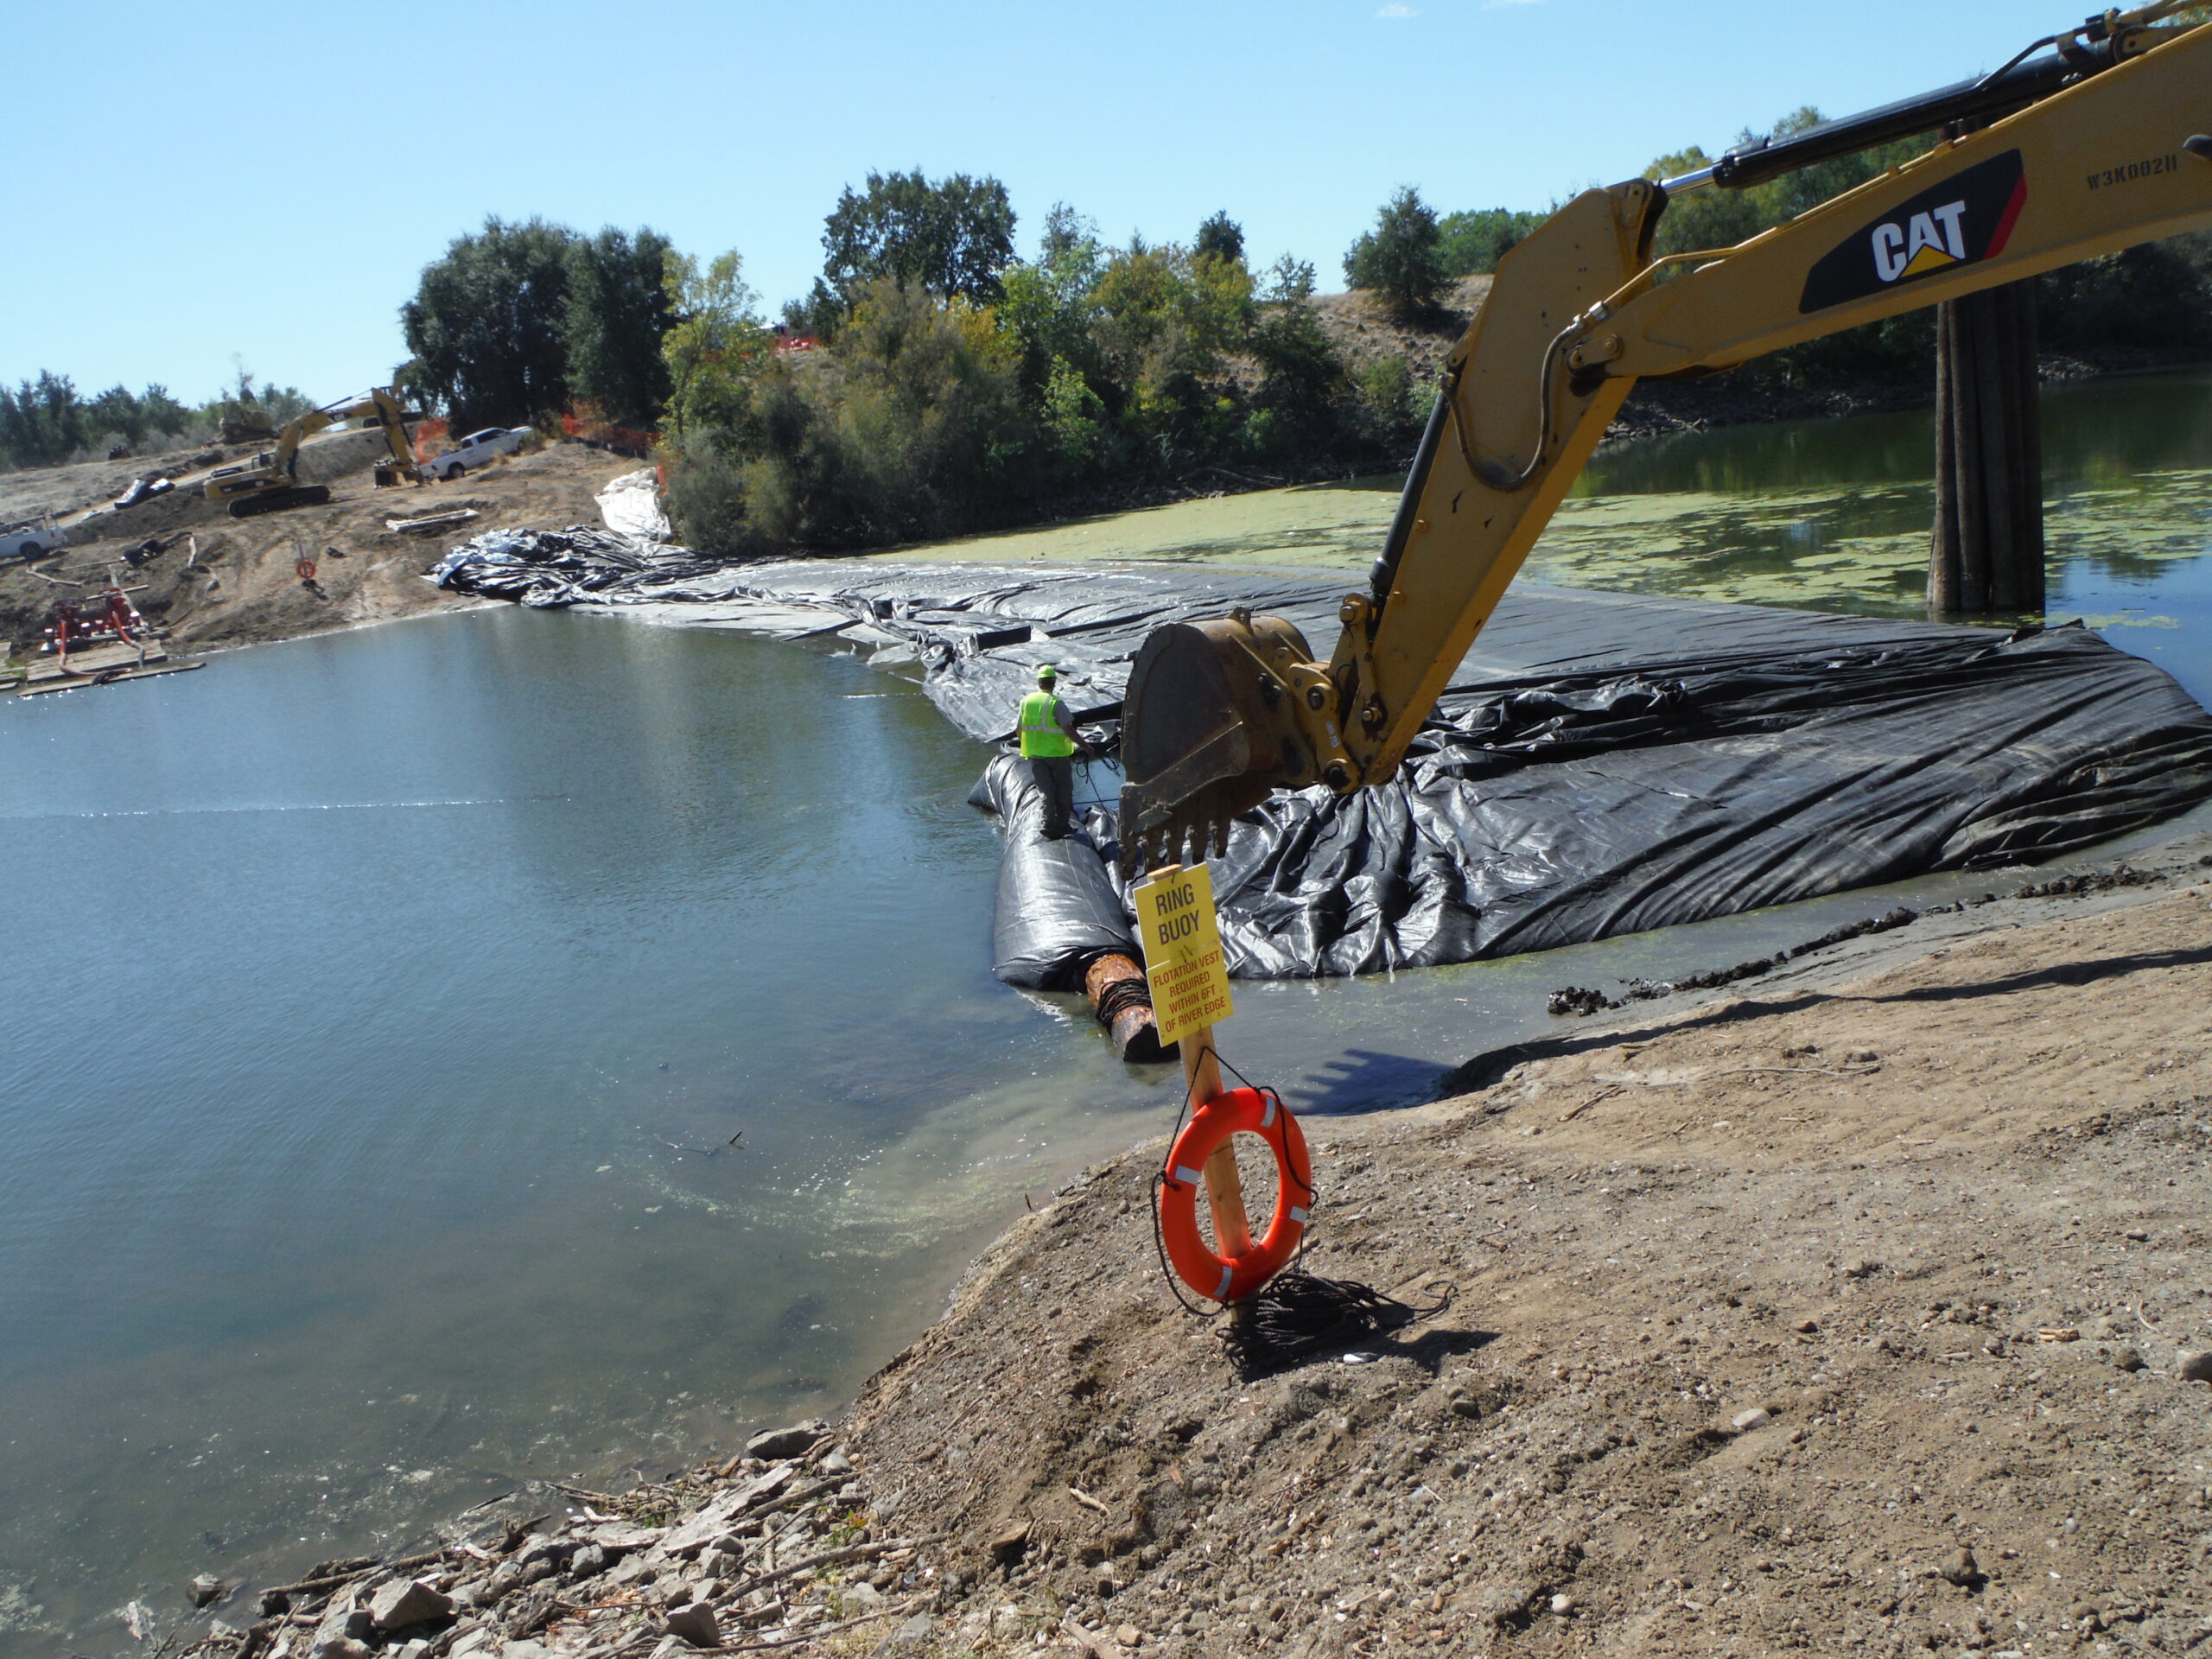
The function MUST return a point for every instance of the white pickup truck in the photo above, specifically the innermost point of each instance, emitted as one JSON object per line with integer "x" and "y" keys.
{"x": 32, "y": 538}
{"x": 475, "y": 449}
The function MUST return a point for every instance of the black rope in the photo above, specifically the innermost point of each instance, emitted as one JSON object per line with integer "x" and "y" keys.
{"x": 1120, "y": 995}
{"x": 1296, "y": 1313}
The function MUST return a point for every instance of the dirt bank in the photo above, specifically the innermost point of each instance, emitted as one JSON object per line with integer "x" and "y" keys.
{"x": 1760, "y": 1318}
{"x": 1854, "y": 1317}
{"x": 242, "y": 587}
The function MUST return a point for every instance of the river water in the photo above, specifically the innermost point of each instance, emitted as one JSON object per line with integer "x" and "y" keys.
{"x": 514, "y": 1045}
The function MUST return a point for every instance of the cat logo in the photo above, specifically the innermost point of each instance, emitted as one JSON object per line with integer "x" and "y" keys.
{"x": 1967, "y": 219}
{"x": 1932, "y": 241}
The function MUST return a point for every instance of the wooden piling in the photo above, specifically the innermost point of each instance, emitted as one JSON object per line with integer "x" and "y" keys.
{"x": 1986, "y": 551}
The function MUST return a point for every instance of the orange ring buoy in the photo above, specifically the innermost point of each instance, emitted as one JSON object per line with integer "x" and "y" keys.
{"x": 1249, "y": 1111}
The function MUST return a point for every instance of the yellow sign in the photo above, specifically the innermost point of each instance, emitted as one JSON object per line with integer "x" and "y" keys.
{"x": 1182, "y": 952}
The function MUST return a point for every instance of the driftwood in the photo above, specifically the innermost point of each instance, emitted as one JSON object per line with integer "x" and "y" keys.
{"x": 315, "y": 1586}
{"x": 820, "y": 1559}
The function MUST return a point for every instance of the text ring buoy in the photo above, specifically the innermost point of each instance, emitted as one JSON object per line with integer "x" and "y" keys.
{"x": 1241, "y": 1111}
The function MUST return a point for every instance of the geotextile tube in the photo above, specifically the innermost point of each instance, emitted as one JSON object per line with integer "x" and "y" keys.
{"x": 1600, "y": 764}
{"x": 1059, "y": 908}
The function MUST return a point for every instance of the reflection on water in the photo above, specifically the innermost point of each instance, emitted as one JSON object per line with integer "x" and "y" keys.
{"x": 375, "y": 1005}
{"x": 1835, "y": 514}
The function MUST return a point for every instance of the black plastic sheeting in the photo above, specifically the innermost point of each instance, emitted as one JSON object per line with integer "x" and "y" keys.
{"x": 1601, "y": 764}
{"x": 1059, "y": 908}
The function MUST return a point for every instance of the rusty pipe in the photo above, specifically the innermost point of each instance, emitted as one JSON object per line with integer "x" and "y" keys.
{"x": 1114, "y": 986}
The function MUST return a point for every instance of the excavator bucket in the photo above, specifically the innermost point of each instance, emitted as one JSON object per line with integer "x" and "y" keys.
{"x": 1208, "y": 731}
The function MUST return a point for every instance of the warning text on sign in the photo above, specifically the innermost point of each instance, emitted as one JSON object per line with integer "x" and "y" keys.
{"x": 1182, "y": 952}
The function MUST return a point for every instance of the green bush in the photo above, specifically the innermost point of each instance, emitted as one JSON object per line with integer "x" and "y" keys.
{"x": 1303, "y": 377}
{"x": 1402, "y": 258}
{"x": 1472, "y": 242}
{"x": 914, "y": 427}
{"x": 707, "y": 496}
{"x": 1081, "y": 433}
{"x": 1267, "y": 436}
{"x": 1392, "y": 407}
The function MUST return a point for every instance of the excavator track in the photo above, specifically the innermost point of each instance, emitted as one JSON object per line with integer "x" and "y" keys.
{"x": 298, "y": 495}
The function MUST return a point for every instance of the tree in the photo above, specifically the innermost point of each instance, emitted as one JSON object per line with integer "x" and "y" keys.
{"x": 619, "y": 311}
{"x": 1164, "y": 318}
{"x": 116, "y": 413}
{"x": 1289, "y": 278}
{"x": 1220, "y": 238}
{"x": 1305, "y": 377}
{"x": 41, "y": 422}
{"x": 1402, "y": 258}
{"x": 714, "y": 341}
{"x": 1473, "y": 242}
{"x": 1050, "y": 304}
{"x": 488, "y": 326}
{"x": 1066, "y": 231}
{"x": 952, "y": 238}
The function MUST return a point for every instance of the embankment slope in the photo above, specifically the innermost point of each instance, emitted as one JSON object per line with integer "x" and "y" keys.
{"x": 242, "y": 587}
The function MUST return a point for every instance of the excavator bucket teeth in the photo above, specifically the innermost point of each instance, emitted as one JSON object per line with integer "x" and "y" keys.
{"x": 1187, "y": 749}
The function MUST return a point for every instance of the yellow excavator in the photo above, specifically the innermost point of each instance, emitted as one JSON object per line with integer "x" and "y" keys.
{"x": 2089, "y": 141}
{"x": 271, "y": 481}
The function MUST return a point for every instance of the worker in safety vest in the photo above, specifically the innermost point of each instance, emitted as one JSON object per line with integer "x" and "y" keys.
{"x": 1048, "y": 740}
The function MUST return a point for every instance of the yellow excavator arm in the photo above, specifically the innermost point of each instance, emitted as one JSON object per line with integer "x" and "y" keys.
{"x": 2099, "y": 144}
{"x": 270, "y": 480}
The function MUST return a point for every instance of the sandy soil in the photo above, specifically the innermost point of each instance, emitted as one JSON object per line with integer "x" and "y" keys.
{"x": 1943, "y": 1227}
{"x": 243, "y": 587}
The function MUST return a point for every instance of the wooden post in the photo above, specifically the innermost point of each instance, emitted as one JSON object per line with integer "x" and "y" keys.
{"x": 1232, "y": 1228}
{"x": 1986, "y": 553}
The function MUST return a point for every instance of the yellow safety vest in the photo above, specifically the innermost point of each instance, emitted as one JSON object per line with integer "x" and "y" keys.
{"x": 1041, "y": 736}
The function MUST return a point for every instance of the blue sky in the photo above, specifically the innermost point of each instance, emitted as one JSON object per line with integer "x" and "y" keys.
{"x": 185, "y": 189}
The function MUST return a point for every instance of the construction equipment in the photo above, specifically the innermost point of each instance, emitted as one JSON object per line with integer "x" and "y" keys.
{"x": 250, "y": 424}
{"x": 269, "y": 482}
{"x": 2095, "y": 144}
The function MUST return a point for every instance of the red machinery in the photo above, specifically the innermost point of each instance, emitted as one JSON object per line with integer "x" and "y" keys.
{"x": 108, "y": 617}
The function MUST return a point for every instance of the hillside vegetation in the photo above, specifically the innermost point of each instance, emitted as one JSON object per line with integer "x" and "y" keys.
{"x": 934, "y": 382}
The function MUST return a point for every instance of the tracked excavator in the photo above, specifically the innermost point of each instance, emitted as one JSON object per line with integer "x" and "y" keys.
{"x": 271, "y": 481}
{"x": 2088, "y": 142}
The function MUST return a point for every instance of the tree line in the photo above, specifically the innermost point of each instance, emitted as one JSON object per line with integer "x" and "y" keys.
{"x": 953, "y": 384}
{"x": 46, "y": 421}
